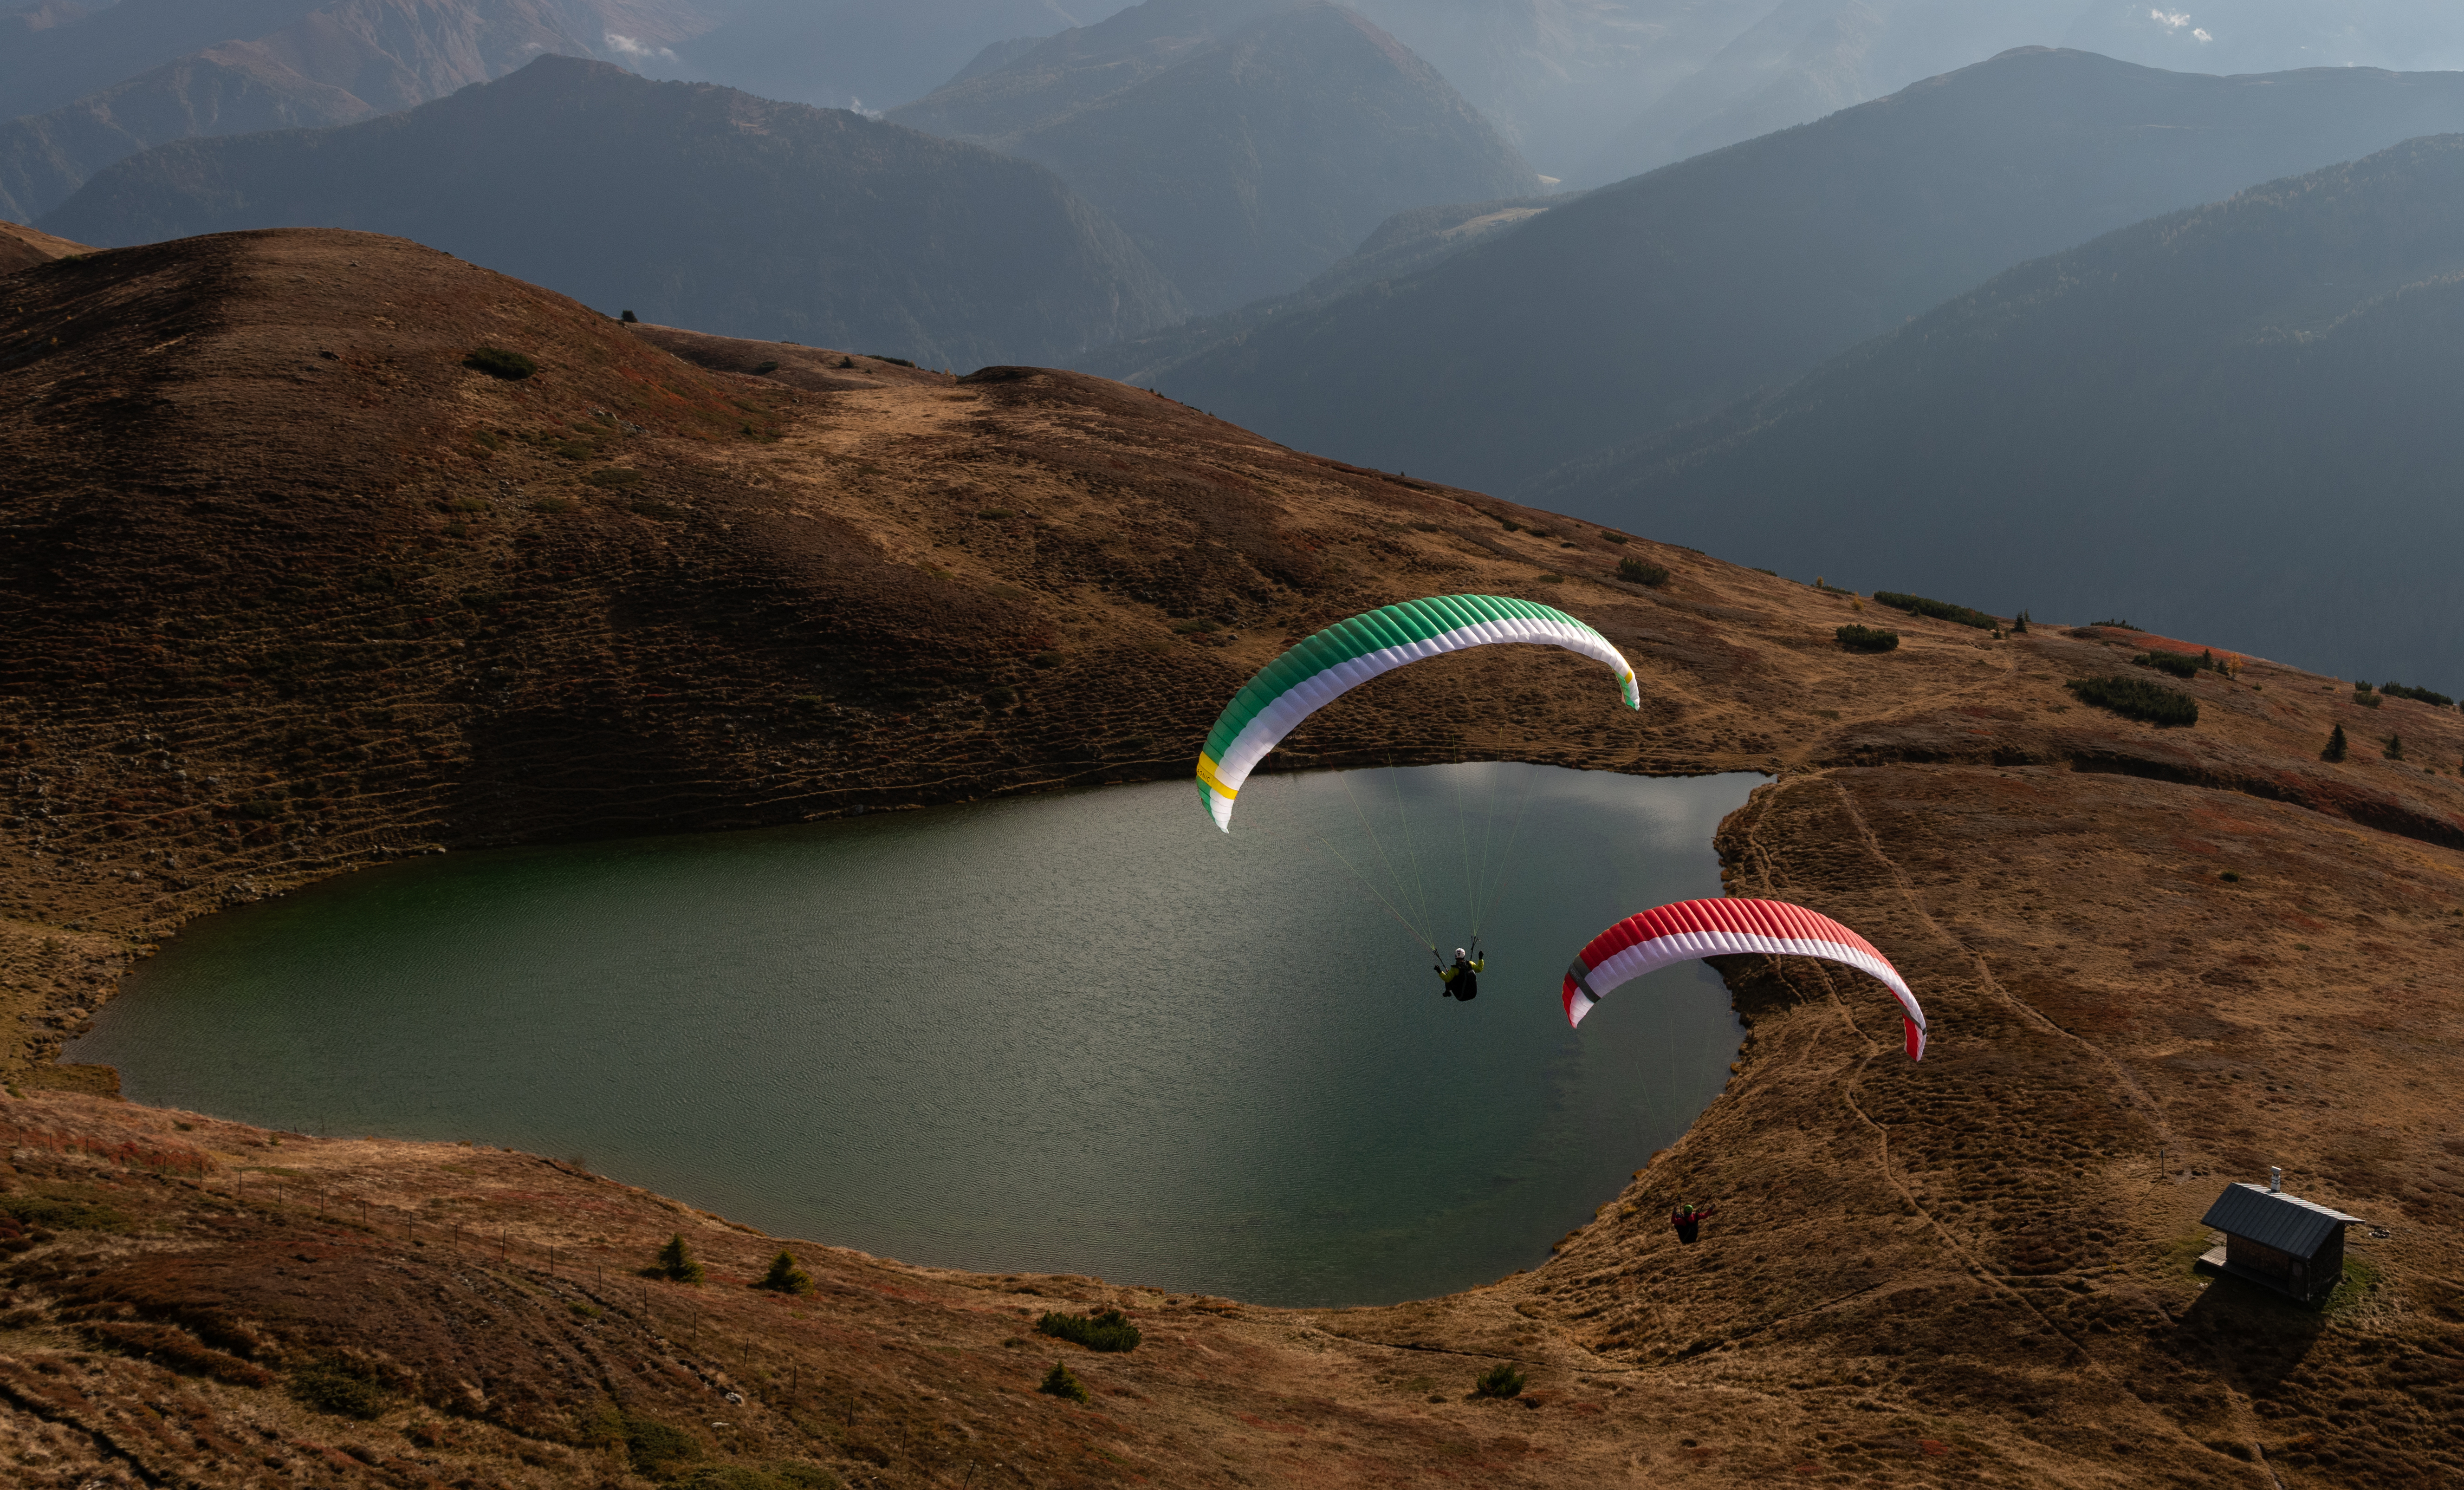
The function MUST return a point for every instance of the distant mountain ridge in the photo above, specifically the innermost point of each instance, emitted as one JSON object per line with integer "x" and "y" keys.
{"x": 102, "y": 87}
{"x": 1243, "y": 145}
{"x": 2237, "y": 420}
{"x": 1660, "y": 298}
{"x": 689, "y": 203}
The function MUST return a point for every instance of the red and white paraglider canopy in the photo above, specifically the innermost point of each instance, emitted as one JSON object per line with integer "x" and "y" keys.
{"x": 1691, "y": 929}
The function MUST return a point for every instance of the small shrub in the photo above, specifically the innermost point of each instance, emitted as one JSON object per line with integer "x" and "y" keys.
{"x": 331, "y": 1390}
{"x": 1939, "y": 610}
{"x": 2020, "y": 626}
{"x": 845, "y": 361}
{"x": 675, "y": 1263}
{"x": 2337, "y": 749}
{"x": 614, "y": 476}
{"x": 2136, "y": 698}
{"x": 2395, "y": 747}
{"x": 1499, "y": 1381}
{"x": 784, "y": 1277}
{"x": 1045, "y": 659}
{"x": 2120, "y": 626}
{"x": 2173, "y": 662}
{"x": 1637, "y": 571}
{"x": 497, "y": 363}
{"x": 1106, "y": 1330}
{"x": 1552, "y": 579}
{"x": 551, "y": 504}
{"x": 2418, "y": 694}
{"x": 2230, "y": 876}
{"x": 1618, "y": 539}
{"x": 629, "y": 319}
{"x": 1866, "y": 639}
{"x": 1511, "y": 528}
{"x": 583, "y": 1311}
{"x": 655, "y": 1447}
{"x": 764, "y": 368}
{"x": 1063, "y": 1382}
{"x": 61, "y": 1213}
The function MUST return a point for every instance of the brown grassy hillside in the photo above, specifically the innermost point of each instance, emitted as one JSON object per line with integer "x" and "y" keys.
{"x": 269, "y": 613}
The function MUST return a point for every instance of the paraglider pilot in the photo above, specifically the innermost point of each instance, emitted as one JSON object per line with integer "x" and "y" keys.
{"x": 1462, "y": 980}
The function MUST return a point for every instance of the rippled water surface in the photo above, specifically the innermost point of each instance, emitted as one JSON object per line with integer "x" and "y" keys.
{"x": 1077, "y": 1033}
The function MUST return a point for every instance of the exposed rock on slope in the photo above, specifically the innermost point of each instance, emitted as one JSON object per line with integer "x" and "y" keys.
{"x": 686, "y": 203}
{"x": 269, "y": 613}
{"x": 2261, "y": 383}
{"x": 1244, "y": 147}
{"x": 1660, "y": 298}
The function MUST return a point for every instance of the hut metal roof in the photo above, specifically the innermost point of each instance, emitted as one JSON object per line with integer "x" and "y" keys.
{"x": 2284, "y": 1222}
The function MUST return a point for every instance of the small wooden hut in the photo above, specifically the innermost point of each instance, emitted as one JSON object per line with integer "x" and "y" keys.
{"x": 2294, "y": 1246}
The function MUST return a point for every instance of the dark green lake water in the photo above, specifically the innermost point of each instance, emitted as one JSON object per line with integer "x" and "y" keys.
{"x": 1080, "y": 1034}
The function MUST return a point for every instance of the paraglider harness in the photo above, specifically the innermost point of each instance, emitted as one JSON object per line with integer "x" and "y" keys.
{"x": 1688, "y": 1221}
{"x": 1462, "y": 980}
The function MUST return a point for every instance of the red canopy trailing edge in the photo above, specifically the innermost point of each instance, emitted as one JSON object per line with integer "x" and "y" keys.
{"x": 1691, "y": 929}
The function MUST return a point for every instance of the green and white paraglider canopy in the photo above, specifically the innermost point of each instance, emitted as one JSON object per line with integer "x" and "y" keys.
{"x": 1351, "y": 652}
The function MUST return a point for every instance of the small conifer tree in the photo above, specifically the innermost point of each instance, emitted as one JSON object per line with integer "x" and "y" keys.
{"x": 2395, "y": 747}
{"x": 784, "y": 1277}
{"x": 1063, "y": 1382}
{"x": 676, "y": 1262}
{"x": 2020, "y": 626}
{"x": 2336, "y": 749}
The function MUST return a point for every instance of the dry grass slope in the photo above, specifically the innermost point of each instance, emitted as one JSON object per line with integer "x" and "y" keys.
{"x": 269, "y": 614}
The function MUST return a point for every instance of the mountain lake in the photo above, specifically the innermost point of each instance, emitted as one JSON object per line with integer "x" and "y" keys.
{"x": 1081, "y": 1033}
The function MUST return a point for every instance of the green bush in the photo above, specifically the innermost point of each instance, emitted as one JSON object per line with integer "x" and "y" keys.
{"x": 332, "y": 1390}
{"x": 1063, "y": 1382}
{"x": 675, "y": 1263}
{"x": 1106, "y": 1330}
{"x": 2337, "y": 750}
{"x": 784, "y": 1277}
{"x": 61, "y": 1213}
{"x": 654, "y": 1447}
{"x": 1866, "y": 639}
{"x": 497, "y": 363}
{"x": 2173, "y": 662}
{"x": 2395, "y": 747}
{"x": 629, "y": 319}
{"x": 1618, "y": 539}
{"x": 1635, "y": 571}
{"x": 2136, "y": 698}
{"x": 2418, "y": 694}
{"x": 2019, "y": 627}
{"x": 1499, "y": 1381}
{"x": 1939, "y": 610}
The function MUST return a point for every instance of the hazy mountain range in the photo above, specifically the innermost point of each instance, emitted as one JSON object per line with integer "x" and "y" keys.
{"x": 2237, "y": 421}
{"x": 87, "y": 89}
{"x": 1659, "y": 299}
{"x": 688, "y": 203}
{"x": 1244, "y": 147}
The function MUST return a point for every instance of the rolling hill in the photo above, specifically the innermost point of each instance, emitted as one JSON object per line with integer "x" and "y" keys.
{"x": 1243, "y": 145}
{"x": 2238, "y": 419}
{"x": 1660, "y": 298}
{"x": 686, "y": 203}
{"x": 287, "y": 588}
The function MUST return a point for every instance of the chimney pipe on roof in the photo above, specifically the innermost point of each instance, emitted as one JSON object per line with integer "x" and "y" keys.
{"x": 2276, "y": 1179}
